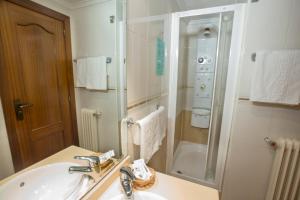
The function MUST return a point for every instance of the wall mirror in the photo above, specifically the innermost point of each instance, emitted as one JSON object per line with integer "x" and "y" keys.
{"x": 62, "y": 84}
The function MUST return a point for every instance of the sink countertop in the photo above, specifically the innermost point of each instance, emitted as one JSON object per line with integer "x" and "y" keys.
{"x": 65, "y": 155}
{"x": 166, "y": 186}
{"x": 174, "y": 188}
{"x": 169, "y": 187}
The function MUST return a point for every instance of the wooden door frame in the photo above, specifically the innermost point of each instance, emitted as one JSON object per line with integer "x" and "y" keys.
{"x": 9, "y": 114}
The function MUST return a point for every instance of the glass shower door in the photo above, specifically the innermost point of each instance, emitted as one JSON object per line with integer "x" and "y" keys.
{"x": 203, "y": 76}
{"x": 222, "y": 61}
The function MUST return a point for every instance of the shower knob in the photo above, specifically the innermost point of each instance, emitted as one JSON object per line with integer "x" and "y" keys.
{"x": 203, "y": 86}
{"x": 200, "y": 60}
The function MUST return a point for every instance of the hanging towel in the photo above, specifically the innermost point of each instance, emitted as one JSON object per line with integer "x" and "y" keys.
{"x": 163, "y": 123}
{"x": 152, "y": 131}
{"x": 96, "y": 73}
{"x": 80, "y": 73}
{"x": 276, "y": 77}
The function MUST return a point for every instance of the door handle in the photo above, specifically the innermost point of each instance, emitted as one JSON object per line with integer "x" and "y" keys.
{"x": 19, "y": 106}
{"x": 25, "y": 105}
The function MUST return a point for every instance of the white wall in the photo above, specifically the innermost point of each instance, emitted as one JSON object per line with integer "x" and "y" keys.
{"x": 94, "y": 35}
{"x": 142, "y": 81}
{"x": 271, "y": 24}
{"x": 6, "y": 167}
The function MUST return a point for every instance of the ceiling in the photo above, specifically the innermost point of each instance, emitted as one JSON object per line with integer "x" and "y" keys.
{"x": 181, "y": 5}
{"x": 73, "y": 4}
{"x": 197, "y": 4}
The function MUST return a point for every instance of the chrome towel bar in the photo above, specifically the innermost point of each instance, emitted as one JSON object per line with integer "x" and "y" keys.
{"x": 108, "y": 60}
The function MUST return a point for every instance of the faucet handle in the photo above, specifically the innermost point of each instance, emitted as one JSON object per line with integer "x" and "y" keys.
{"x": 93, "y": 160}
{"x": 82, "y": 169}
{"x": 128, "y": 172}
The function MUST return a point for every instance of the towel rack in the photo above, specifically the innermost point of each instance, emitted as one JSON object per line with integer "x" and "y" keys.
{"x": 97, "y": 114}
{"x": 108, "y": 60}
{"x": 131, "y": 122}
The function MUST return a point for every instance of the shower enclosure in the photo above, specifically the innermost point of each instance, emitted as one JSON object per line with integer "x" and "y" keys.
{"x": 204, "y": 55}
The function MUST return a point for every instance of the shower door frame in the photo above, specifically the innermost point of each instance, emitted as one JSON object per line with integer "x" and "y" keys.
{"x": 231, "y": 97}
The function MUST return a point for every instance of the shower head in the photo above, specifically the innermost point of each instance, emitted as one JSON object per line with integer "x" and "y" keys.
{"x": 207, "y": 32}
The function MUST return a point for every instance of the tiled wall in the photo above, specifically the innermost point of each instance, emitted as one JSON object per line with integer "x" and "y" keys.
{"x": 271, "y": 24}
{"x": 143, "y": 84}
{"x": 190, "y": 133}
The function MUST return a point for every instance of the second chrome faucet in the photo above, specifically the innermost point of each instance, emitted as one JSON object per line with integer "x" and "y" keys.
{"x": 94, "y": 163}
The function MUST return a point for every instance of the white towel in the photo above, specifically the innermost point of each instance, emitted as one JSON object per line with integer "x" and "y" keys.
{"x": 96, "y": 73}
{"x": 152, "y": 131}
{"x": 276, "y": 77}
{"x": 163, "y": 123}
{"x": 80, "y": 73}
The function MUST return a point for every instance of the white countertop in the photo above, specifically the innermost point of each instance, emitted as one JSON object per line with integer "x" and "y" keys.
{"x": 169, "y": 187}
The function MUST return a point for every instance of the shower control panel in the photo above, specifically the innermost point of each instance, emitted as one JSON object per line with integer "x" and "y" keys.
{"x": 205, "y": 64}
{"x": 202, "y": 60}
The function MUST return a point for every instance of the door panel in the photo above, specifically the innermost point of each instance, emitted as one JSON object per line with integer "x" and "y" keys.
{"x": 36, "y": 54}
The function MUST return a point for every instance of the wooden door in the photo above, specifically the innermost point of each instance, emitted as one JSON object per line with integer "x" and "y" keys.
{"x": 36, "y": 81}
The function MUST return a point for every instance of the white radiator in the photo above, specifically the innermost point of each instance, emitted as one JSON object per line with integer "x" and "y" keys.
{"x": 88, "y": 138}
{"x": 285, "y": 175}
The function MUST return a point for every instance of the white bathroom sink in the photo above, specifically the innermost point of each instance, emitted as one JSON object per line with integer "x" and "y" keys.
{"x": 140, "y": 196}
{"x": 115, "y": 192}
{"x": 48, "y": 182}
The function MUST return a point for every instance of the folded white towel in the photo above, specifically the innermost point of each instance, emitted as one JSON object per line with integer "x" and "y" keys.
{"x": 152, "y": 131}
{"x": 276, "y": 77}
{"x": 80, "y": 73}
{"x": 96, "y": 73}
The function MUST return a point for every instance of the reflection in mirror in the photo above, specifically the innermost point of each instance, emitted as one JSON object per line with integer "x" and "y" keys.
{"x": 62, "y": 89}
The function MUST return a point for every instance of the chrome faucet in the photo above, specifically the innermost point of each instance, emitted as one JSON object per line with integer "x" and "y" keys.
{"x": 126, "y": 179}
{"x": 83, "y": 169}
{"x": 94, "y": 162}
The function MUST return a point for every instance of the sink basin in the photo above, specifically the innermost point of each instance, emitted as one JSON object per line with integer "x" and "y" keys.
{"x": 140, "y": 196}
{"x": 48, "y": 182}
{"x": 115, "y": 192}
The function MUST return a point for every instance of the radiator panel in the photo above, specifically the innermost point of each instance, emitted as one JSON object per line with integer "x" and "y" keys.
{"x": 89, "y": 135}
{"x": 285, "y": 174}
